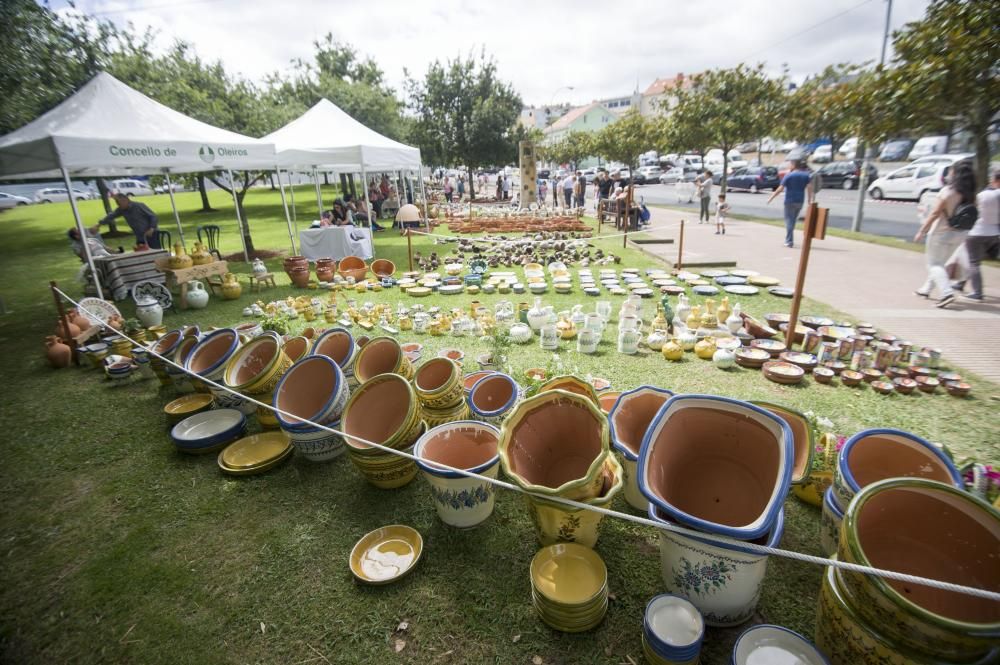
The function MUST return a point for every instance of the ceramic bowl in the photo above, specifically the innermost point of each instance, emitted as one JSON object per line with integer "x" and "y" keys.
{"x": 689, "y": 469}
{"x": 849, "y": 377}
{"x": 806, "y": 361}
{"x": 947, "y": 376}
{"x": 673, "y": 628}
{"x": 775, "y": 319}
{"x": 927, "y": 384}
{"x": 568, "y": 574}
{"x": 897, "y": 373}
{"x": 456, "y": 355}
{"x": 751, "y": 357}
{"x": 386, "y": 554}
{"x": 255, "y": 454}
{"x": 916, "y": 370}
{"x": 313, "y": 389}
{"x": 883, "y": 387}
{"x": 384, "y": 410}
{"x": 187, "y": 405}
{"x": 766, "y": 643}
{"x": 338, "y": 345}
{"x": 207, "y": 431}
{"x": 957, "y": 388}
{"x": 775, "y": 347}
{"x": 823, "y": 375}
{"x": 836, "y": 366}
{"x": 783, "y": 373}
{"x": 904, "y": 385}
{"x": 870, "y": 374}
{"x": 381, "y": 355}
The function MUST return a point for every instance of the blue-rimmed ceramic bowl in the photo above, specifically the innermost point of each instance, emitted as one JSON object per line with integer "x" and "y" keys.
{"x": 673, "y": 628}
{"x": 492, "y": 397}
{"x": 313, "y": 389}
{"x": 767, "y": 643}
{"x": 629, "y": 419}
{"x": 207, "y": 431}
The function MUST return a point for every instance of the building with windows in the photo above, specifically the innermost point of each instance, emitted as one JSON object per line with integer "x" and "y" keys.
{"x": 540, "y": 117}
{"x": 621, "y": 105}
{"x": 590, "y": 118}
{"x": 658, "y": 98}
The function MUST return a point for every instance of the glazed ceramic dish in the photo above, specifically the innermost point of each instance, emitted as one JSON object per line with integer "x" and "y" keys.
{"x": 386, "y": 554}
{"x": 187, "y": 405}
{"x": 775, "y": 645}
{"x": 205, "y": 431}
{"x": 568, "y": 574}
{"x": 751, "y": 357}
{"x": 761, "y": 280}
{"x": 849, "y": 377}
{"x": 255, "y": 454}
{"x": 673, "y": 629}
{"x": 155, "y": 290}
{"x": 704, "y": 289}
{"x": 783, "y": 373}
{"x": 781, "y": 292}
{"x": 806, "y": 361}
{"x": 741, "y": 289}
{"x": 775, "y": 347}
{"x": 823, "y": 374}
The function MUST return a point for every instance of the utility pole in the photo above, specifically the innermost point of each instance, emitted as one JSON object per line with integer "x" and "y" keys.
{"x": 863, "y": 180}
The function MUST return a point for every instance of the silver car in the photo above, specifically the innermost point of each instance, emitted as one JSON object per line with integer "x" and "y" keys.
{"x": 58, "y": 195}
{"x": 12, "y": 201}
{"x": 677, "y": 174}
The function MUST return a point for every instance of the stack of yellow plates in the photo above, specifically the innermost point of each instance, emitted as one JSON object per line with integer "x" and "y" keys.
{"x": 255, "y": 453}
{"x": 569, "y": 587}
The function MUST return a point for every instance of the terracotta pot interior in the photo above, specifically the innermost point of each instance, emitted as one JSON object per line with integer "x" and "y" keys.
{"x": 570, "y": 387}
{"x": 882, "y": 456}
{"x": 938, "y": 535}
{"x": 211, "y": 352}
{"x": 461, "y": 447}
{"x": 492, "y": 393}
{"x": 377, "y": 412}
{"x": 254, "y": 360}
{"x": 378, "y": 357}
{"x": 471, "y": 380}
{"x": 555, "y": 443}
{"x": 632, "y": 418}
{"x": 166, "y": 341}
{"x": 434, "y": 374}
{"x": 336, "y": 347}
{"x": 295, "y": 348}
{"x": 306, "y": 389}
{"x": 352, "y": 263}
{"x": 184, "y": 350}
{"x": 800, "y": 438}
{"x": 717, "y": 465}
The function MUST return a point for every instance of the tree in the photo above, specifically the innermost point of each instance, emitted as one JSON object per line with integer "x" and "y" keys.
{"x": 821, "y": 107}
{"x": 946, "y": 68}
{"x": 725, "y": 107}
{"x": 571, "y": 149}
{"x": 626, "y": 139}
{"x": 465, "y": 115}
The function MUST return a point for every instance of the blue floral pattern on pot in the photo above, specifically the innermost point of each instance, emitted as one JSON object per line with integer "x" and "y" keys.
{"x": 702, "y": 579}
{"x": 466, "y": 498}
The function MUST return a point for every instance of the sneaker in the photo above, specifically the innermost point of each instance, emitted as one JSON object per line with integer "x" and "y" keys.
{"x": 973, "y": 297}
{"x": 958, "y": 286}
{"x": 922, "y": 294}
{"x": 717, "y": 233}
{"x": 789, "y": 245}
{"x": 944, "y": 302}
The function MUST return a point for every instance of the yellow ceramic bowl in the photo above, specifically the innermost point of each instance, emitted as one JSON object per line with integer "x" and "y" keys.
{"x": 386, "y": 554}
{"x": 568, "y": 574}
{"x": 255, "y": 453}
{"x": 187, "y": 405}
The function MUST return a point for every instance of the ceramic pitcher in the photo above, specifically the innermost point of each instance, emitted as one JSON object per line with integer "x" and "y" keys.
{"x": 149, "y": 312}
{"x": 628, "y": 341}
{"x": 197, "y": 295}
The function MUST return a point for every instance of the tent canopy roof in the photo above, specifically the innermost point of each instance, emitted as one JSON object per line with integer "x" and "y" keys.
{"x": 108, "y": 128}
{"x": 326, "y": 137}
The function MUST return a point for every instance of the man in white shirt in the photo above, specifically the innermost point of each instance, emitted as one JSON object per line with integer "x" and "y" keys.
{"x": 984, "y": 238}
{"x": 567, "y": 187}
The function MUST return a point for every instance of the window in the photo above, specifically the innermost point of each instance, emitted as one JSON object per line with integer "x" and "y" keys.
{"x": 926, "y": 171}
{"x": 903, "y": 173}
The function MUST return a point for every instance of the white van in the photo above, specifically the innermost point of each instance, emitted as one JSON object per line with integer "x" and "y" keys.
{"x": 928, "y": 145}
{"x": 131, "y": 187}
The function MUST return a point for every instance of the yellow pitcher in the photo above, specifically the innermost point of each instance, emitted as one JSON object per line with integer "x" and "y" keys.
{"x": 231, "y": 288}
{"x": 180, "y": 259}
{"x": 201, "y": 256}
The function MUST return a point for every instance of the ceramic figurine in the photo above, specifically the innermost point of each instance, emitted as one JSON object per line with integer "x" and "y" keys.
{"x": 672, "y": 350}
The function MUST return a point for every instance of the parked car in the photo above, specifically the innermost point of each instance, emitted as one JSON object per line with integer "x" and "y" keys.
{"x": 946, "y": 158}
{"x": 58, "y": 195}
{"x": 822, "y": 154}
{"x": 12, "y": 201}
{"x": 677, "y": 174}
{"x": 130, "y": 187}
{"x": 162, "y": 189}
{"x": 895, "y": 151}
{"x": 909, "y": 182}
{"x": 845, "y": 174}
{"x": 928, "y": 145}
{"x": 689, "y": 162}
{"x": 849, "y": 148}
{"x": 786, "y": 166}
{"x": 544, "y": 174}
{"x": 754, "y": 178}
{"x": 651, "y": 173}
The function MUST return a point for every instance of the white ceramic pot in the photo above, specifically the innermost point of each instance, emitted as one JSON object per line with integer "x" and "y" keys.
{"x": 548, "y": 337}
{"x": 520, "y": 333}
{"x": 586, "y": 341}
{"x": 149, "y": 312}
{"x": 656, "y": 339}
{"x": 258, "y": 267}
{"x": 687, "y": 339}
{"x": 735, "y": 321}
{"x": 460, "y": 501}
{"x": 829, "y": 526}
{"x": 722, "y": 581}
{"x": 537, "y": 315}
{"x": 724, "y": 358}
{"x": 197, "y": 295}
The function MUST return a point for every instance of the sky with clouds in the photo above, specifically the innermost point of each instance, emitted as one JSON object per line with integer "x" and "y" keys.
{"x": 598, "y": 48}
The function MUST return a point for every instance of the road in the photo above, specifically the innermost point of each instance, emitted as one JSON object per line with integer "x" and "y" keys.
{"x": 897, "y": 219}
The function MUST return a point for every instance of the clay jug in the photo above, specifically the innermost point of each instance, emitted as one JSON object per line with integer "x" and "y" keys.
{"x": 735, "y": 321}
{"x": 656, "y": 339}
{"x": 705, "y": 349}
{"x": 231, "y": 288}
{"x": 694, "y": 318}
{"x": 258, "y": 267}
{"x": 69, "y": 331}
{"x": 78, "y": 319}
{"x": 200, "y": 256}
{"x": 180, "y": 259}
{"x": 59, "y": 354}
{"x": 672, "y": 350}
{"x": 722, "y": 313}
{"x": 197, "y": 295}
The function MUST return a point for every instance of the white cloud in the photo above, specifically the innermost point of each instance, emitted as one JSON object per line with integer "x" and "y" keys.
{"x": 600, "y": 48}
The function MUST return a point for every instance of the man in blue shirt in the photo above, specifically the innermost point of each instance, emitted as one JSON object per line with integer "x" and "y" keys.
{"x": 796, "y": 187}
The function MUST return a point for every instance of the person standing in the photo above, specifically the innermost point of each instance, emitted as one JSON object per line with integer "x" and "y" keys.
{"x": 499, "y": 194}
{"x": 941, "y": 239}
{"x": 143, "y": 221}
{"x": 580, "y": 190}
{"x": 447, "y": 189}
{"x": 984, "y": 238}
{"x": 567, "y": 187}
{"x": 461, "y": 187}
{"x": 543, "y": 190}
{"x": 721, "y": 212}
{"x": 506, "y": 188}
{"x": 795, "y": 186}
{"x": 704, "y": 186}
{"x": 555, "y": 191}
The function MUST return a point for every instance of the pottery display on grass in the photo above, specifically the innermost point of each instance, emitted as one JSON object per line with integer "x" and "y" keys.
{"x": 717, "y": 464}
{"x": 325, "y": 269}
{"x": 628, "y": 420}
{"x": 338, "y": 345}
{"x": 957, "y": 540}
{"x": 231, "y": 288}
{"x": 876, "y": 454}
{"x": 197, "y": 295}
{"x": 255, "y": 369}
{"x": 384, "y": 410}
{"x": 520, "y": 333}
{"x": 187, "y": 405}
{"x": 438, "y": 383}
{"x": 493, "y": 397}
{"x": 774, "y": 645}
{"x": 724, "y": 358}
{"x": 556, "y": 443}
{"x": 208, "y": 360}
{"x": 179, "y": 260}
{"x": 149, "y": 312}
{"x": 58, "y": 354}
{"x": 705, "y": 348}
{"x": 313, "y": 389}
{"x": 460, "y": 501}
{"x": 656, "y": 339}
{"x": 67, "y": 331}
{"x": 381, "y": 355}
{"x": 558, "y": 523}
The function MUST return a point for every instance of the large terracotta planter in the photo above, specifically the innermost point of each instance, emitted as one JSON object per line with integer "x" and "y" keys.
{"x": 722, "y": 580}
{"x": 556, "y": 443}
{"x": 338, "y": 345}
{"x": 803, "y": 439}
{"x": 255, "y": 370}
{"x": 717, "y": 465}
{"x": 629, "y": 419}
{"x": 493, "y": 397}
{"x": 460, "y": 501}
{"x": 438, "y": 383}
{"x": 572, "y": 384}
{"x": 165, "y": 347}
{"x": 876, "y": 454}
{"x": 314, "y": 390}
{"x": 381, "y": 355}
{"x": 557, "y": 523}
{"x": 208, "y": 360}
{"x": 383, "y": 410}
{"x": 933, "y": 530}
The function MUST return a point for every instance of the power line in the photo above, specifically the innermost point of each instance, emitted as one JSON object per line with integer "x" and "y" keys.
{"x": 805, "y": 30}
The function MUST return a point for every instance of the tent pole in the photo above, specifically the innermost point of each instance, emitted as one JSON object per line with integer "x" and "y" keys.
{"x": 423, "y": 193}
{"x": 173, "y": 204}
{"x": 83, "y": 233}
{"x": 319, "y": 195}
{"x": 239, "y": 217}
{"x": 368, "y": 207}
{"x": 284, "y": 204}
{"x": 291, "y": 192}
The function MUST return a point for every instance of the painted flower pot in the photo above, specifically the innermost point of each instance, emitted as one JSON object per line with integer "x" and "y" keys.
{"x": 381, "y": 355}
{"x": 255, "y": 370}
{"x": 338, "y": 345}
{"x": 316, "y": 444}
{"x": 629, "y": 419}
{"x": 435, "y": 417}
{"x": 829, "y": 525}
{"x": 814, "y": 488}
{"x": 472, "y": 446}
{"x": 717, "y": 465}
{"x": 571, "y": 384}
{"x": 556, "y": 443}
{"x": 313, "y": 390}
{"x": 803, "y": 438}
{"x": 493, "y": 397}
{"x": 557, "y": 523}
{"x": 876, "y": 454}
{"x": 383, "y": 410}
{"x": 178, "y": 377}
{"x": 208, "y": 360}
{"x": 722, "y": 580}
{"x": 470, "y": 379}
{"x": 438, "y": 383}
{"x": 165, "y": 347}
{"x": 930, "y": 529}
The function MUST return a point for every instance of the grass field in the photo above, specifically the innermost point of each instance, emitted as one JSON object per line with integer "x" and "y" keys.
{"x": 117, "y": 549}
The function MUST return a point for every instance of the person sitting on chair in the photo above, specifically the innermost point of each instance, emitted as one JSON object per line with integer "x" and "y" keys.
{"x": 94, "y": 241}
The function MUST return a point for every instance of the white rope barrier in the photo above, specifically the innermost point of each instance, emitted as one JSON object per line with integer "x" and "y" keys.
{"x": 713, "y": 539}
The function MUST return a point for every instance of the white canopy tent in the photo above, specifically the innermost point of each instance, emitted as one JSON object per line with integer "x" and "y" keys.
{"x": 325, "y": 138}
{"x": 107, "y": 128}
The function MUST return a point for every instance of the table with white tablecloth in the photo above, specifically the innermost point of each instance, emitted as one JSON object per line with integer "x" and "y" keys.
{"x": 335, "y": 242}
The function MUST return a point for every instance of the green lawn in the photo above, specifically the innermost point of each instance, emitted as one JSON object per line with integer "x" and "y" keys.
{"x": 117, "y": 549}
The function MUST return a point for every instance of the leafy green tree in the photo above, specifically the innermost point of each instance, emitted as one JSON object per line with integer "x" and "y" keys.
{"x": 726, "y": 107}
{"x": 626, "y": 139}
{"x": 465, "y": 115}
{"x": 571, "y": 149}
{"x": 821, "y": 107}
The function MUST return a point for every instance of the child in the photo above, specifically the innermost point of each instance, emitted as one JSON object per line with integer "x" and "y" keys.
{"x": 721, "y": 210}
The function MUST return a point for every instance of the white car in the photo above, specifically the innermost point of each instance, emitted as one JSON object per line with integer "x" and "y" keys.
{"x": 12, "y": 201}
{"x": 908, "y": 183}
{"x": 651, "y": 173}
{"x": 58, "y": 195}
{"x": 928, "y": 145}
{"x": 823, "y": 154}
{"x": 675, "y": 175}
{"x": 130, "y": 187}
{"x": 947, "y": 158}
{"x": 849, "y": 148}
{"x": 175, "y": 186}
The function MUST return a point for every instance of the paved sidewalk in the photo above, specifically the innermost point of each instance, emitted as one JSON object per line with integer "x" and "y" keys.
{"x": 870, "y": 282}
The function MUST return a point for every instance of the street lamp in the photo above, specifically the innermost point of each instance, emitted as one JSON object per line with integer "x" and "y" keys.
{"x": 558, "y": 90}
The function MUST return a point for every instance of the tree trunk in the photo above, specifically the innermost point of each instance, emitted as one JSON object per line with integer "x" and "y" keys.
{"x": 102, "y": 191}
{"x": 326, "y": 178}
{"x": 205, "y": 205}
{"x": 472, "y": 186}
{"x": 980, "y": 128}
{"x": 343, "y": 184}
{"x": 247, "y": 238}
{"x": 350, "y": 184}
{"x": 270, "y": 177}
{"x": 724, "y": 182}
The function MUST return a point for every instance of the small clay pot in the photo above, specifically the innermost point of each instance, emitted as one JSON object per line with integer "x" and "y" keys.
{"x": 299, "y": 276}
{"x": 313, "y": 389}
{"x": 438, "y": 384}
{"x": 383, "y": 410}
{"x": 59, "y": 354}
{"x": 492, "y": 397}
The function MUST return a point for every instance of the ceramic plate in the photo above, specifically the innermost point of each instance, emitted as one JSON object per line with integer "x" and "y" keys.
{"x": 616, "y": 291}
{"x": 419, "y": 291}
{"x": 672, "y": 290}
{"x": 451, "y": 290}
{"x": 714, "y": 273}
{"x": 592, "y": 291}
{"x": 698, "y": 282}
{"x": 782, "y": 372}
{"x": 744, "y": 273}
{"x": 705, "y": 290}
{"x": 761, "y": 280}
{"x": 97, "y": 311}
{"x": 186, "y": 405}
{"x": 816, "y": 321}
{"x": 687, "y": 276}
{"x": 741, "y": 290}
{"x": 663, "y": 281}
{"x": 255, "y": 453}
{"x": 727, "y": 280}
{"x": 386, "y": 554}
{"x": 781, "y": 292}
{"x": 208, "y": 429}
{"x": 643, "y": 292}
{"x": 568, "y": 573}
{"x": 155, "y": 290}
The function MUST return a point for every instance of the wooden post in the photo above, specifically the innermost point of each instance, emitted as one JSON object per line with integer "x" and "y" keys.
{"x": 409, "y": 248}
{"x": 793, "y": 317}
{"x": 680, "y": 249}
{"x": 628, "y": 214}
{"x": 71, "y": 342}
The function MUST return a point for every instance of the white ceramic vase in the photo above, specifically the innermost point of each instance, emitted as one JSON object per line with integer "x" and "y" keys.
{"x": 197, "y": 295}
{"x": 149, "y": 312}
